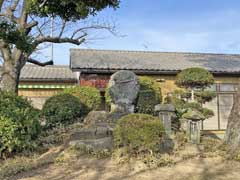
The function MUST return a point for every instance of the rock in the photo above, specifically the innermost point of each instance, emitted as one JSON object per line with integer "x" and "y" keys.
{"x": 193, "y": 115}
{"x": 115, "y": 115}
{"x": 123, "y": 90}
{"x": 102, "y": 118}
{"x": 95, "y": 144}
{"x": 94, "y": 117}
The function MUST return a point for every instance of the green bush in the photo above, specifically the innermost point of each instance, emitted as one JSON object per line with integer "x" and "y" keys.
{"x": 207, "y": 113}
{"x": 89, "y": 97}
{"x": 149, "y": 95}
{"x": 61, "y": 109}
{"x": 194, "y": 77}
{"x": 204, "y": 96}
{"x": 19, "y": 125}
{"x": 138, "y": 133}
{"x": 179, "y": 98}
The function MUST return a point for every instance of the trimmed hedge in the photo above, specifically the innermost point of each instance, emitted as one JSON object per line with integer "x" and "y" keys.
{"x": 179, "y": 100}
{"x": 149, "y": 95}
{"x": 19, "y": 125}
{"x": 204, "y": 96}
{"x": 61, "y": 109}
{"x": 194, "y": 77}
{"x": 89, "y": 97}
{"x": 138, "y": 133}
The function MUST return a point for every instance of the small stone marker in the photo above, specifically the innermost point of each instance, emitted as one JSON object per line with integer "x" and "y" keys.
{"x": 166, "y": 112}
{"x": 123, "y": 90}
{"x": 193, "y": 120}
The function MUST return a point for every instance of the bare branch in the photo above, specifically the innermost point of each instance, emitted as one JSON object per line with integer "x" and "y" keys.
{"x": 39, "y": 28}
{"x": 10, "y": 10}
{"x": 109, "y": 28}
{"x": 14, "y": 6}
{"x": 82, "y": 36}
{"x": 33, "y": 61}
{"x": 76, "y": 41}
{"x": 31, "y": 25}
{"x": 62, "y": 29}
{"x": 24, "y": 15}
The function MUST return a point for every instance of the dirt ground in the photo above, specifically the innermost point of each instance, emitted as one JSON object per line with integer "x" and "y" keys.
{"x": 86, "y": 168}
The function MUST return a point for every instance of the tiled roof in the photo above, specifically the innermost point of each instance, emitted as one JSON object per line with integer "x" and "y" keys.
{"x": 111, "y": 60}
{"x": 47, "y": 73}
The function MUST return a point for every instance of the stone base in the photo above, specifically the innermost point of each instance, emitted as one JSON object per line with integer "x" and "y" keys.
{"x": 92, "y": 133}
{"x": 95, "y": 144}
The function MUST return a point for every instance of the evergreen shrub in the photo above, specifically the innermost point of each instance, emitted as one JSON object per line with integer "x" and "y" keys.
{"x": 19, "y": 124}
{"x": 61, "y": 109}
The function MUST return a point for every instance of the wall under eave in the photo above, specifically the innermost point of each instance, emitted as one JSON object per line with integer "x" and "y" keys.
{"x": 39, "y": 92}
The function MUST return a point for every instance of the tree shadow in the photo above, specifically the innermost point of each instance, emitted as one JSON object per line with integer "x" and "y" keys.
{"x": 96, "y": 169}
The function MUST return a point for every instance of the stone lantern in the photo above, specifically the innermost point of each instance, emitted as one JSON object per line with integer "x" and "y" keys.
{"x": 191, "y": 123}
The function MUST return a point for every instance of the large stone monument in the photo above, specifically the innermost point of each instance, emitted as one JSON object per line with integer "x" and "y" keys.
{"x": 98, "y": 129}
{"x": 123, "y": 90}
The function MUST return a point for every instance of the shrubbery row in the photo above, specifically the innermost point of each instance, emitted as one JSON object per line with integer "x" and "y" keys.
{"x": 19, "y": 121}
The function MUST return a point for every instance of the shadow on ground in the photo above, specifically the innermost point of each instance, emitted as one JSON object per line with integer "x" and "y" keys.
{"x": 192, "y": 167}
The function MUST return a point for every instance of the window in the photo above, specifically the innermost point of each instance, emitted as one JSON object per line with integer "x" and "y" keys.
{"x": 227, "y": 87}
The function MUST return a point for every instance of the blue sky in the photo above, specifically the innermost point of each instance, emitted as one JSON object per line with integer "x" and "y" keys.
{"x": 210, "y": 26}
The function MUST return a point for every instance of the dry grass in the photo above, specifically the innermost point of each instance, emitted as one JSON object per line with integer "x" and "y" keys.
{"x": 60, "y": 162}
{"x": 106, "y": 169}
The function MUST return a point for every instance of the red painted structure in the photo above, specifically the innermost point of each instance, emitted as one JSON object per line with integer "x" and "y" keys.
{"x": 99, "y": 81}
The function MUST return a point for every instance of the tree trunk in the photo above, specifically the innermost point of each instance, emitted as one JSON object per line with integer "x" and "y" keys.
{"x": 10, "y": 77}
{"x": 232, "y": 136}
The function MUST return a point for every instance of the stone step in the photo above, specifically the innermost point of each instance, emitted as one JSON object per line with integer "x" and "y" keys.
{"x": 92, "y": 133}
{"x": 95, "y": 144}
